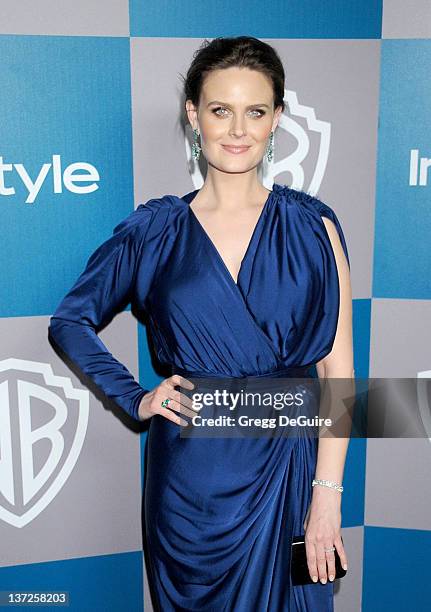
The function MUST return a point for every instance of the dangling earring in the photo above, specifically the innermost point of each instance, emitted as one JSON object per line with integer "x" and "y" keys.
{"x": 270, "y": 147}
{"x": 196, "y": 149}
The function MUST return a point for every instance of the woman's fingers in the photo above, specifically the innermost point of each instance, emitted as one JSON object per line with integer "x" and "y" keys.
{"x": 179, "y": 402}
{"x": 321, "y": 562}
{"x": 338, "y": 543}
{"x": 182, "y": 403}
{"x": 180, "y": 381}
{"x": 311, "y": 558}
{"x": 330, "y": 560}
{"x": 166, "y": 412}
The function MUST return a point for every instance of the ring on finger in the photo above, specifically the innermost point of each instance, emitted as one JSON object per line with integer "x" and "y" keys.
{"x": 165, "y": 402}
{"x": 327, "y": 550}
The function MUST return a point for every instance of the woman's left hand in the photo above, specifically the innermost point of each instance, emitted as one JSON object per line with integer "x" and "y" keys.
{"x": 323, "y": 530}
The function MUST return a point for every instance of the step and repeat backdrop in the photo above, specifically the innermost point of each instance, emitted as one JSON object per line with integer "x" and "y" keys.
{"x": 91, "y": 125}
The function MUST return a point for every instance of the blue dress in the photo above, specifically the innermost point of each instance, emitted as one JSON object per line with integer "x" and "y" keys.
{"x": 220, "y": 513}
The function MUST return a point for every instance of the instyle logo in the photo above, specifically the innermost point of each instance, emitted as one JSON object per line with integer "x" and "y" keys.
{"x": 299, "y": 122}
{"x": 419, "y": 166}
{"x": 76, "y": 172}
{"x": 43, "y": 423}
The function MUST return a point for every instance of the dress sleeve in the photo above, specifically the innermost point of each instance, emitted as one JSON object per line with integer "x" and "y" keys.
{"x": 104, "y": 288}
{"x": 314, "y": 206}
{"x": 326, "y": 211}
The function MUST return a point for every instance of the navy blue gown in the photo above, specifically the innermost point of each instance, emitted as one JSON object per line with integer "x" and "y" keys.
{"x": 220, "y": 513}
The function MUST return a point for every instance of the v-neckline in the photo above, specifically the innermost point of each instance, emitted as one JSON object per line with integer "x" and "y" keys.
{"x": 213, "y": 246}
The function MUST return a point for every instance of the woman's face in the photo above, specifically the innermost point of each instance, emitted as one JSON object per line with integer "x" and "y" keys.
{"x": 236, "y": 109}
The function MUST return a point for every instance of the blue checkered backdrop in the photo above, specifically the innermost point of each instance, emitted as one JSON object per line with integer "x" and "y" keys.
{"x": 90, "y": 100}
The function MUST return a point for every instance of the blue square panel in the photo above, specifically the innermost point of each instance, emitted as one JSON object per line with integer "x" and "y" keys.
{"x": 66, "y": 174}
{"x": 402, "y": 254}
{"x": 281, "y": 19}
{"x": 396, "y": 563}
{"x": 353, "y": 499}
{"x": 107, "y": 583}
{"x": 361, "y": 337}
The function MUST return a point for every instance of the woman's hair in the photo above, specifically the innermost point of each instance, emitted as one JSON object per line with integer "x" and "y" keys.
{"x": 242, "y": 51}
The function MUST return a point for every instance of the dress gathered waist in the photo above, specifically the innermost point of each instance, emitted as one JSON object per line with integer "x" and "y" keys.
{"x": 287, "y": 372}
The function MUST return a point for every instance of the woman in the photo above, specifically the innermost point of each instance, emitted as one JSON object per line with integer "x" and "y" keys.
{"x": 237, "y": 281}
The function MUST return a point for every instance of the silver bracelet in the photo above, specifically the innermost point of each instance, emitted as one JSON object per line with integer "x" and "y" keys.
{"x": 328, "y": 483}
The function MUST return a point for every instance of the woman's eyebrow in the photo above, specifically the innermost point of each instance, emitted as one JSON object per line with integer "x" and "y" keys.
{"x": 227, "y": 104}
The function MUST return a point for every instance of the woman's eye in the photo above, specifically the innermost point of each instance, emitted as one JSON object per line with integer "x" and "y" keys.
{"x": 217, "y": 111}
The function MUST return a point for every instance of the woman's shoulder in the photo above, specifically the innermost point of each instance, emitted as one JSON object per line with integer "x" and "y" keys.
{"x": 303, "y": 199}
{"x": 147, "y": 217}
{"x": 312, "y": 209}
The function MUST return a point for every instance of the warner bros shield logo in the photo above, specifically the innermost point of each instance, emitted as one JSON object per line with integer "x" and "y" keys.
{"x": 43, "y": 423}
{"x": 298, "y": 121}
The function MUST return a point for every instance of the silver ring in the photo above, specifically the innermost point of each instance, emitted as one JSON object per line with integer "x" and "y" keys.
{"x": 165, "y": 402}
{"x": 329, "y": 549}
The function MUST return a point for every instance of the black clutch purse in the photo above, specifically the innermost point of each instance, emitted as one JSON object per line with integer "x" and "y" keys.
{"x": 299, "y": 569}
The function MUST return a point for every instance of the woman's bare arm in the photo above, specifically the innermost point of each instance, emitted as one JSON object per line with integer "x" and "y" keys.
{"x": 323, "y": 520}
{"x": 338, "y": 364}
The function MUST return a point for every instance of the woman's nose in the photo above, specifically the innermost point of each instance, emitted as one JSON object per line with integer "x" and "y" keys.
{"x": 237, "y": 127}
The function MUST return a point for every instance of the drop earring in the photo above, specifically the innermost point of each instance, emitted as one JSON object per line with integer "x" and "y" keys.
{"x": 270, "y": 147}
{"x": 196, "y": 149}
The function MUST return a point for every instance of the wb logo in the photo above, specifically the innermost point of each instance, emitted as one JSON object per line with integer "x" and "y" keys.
{"x": 43, "y": 423}
{"x": 299, "y": 123}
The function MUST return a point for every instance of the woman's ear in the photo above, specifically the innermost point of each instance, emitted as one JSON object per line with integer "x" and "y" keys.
{"x": 277, "y": 115}
{"x": 192, "y": 114}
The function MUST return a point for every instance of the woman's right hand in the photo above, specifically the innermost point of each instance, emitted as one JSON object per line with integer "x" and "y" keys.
{"x": 151, "y": 402}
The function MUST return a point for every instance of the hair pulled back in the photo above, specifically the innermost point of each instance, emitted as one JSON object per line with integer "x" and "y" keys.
{"x": 241, "y": 51}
